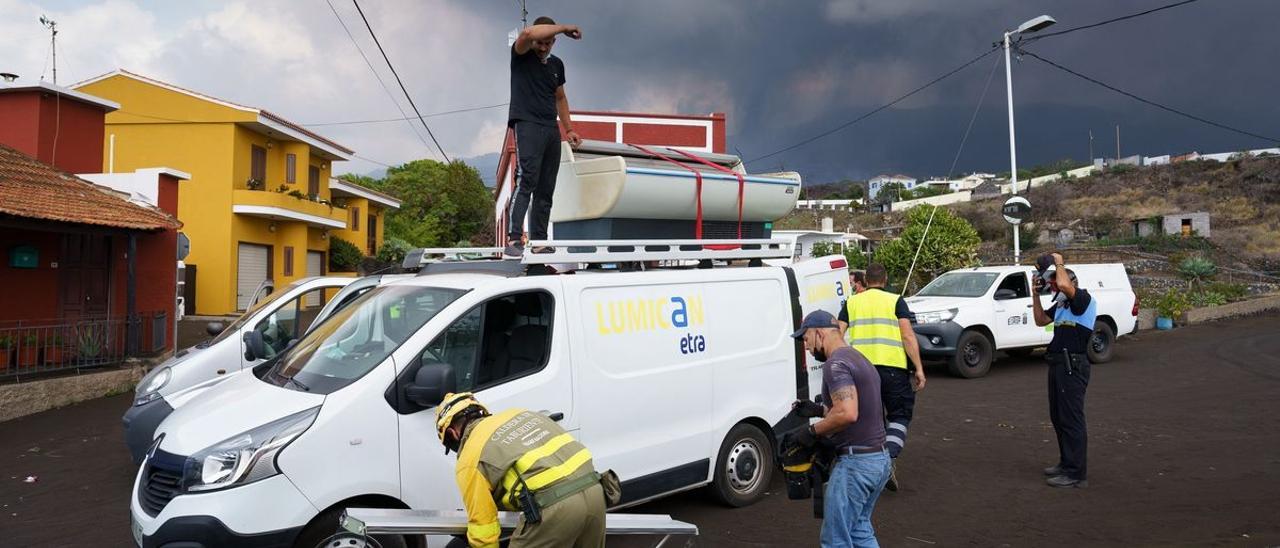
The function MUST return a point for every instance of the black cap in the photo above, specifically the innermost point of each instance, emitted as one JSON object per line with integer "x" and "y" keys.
{"x": 1043, "y": 264}
{"x": 816, "y": 319}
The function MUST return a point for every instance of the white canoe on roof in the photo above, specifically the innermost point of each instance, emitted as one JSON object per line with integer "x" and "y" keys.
{"x": 612, "y": 180}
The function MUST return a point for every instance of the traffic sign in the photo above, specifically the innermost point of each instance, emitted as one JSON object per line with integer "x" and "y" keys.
{"x": 184, "y": 246}
{"x": 1016, "y": 210}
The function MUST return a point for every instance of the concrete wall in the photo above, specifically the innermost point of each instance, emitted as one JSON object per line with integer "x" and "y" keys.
{"x": 1242, "y": 308}
{"x": 1199, "y": 223}
{"x": 27, "y": 398}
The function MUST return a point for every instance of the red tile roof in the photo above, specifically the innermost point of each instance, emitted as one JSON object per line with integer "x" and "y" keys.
{"x": 34, "y": 190}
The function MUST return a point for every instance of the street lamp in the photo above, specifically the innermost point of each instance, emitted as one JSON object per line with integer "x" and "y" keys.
{"x": 1030, "y": 26}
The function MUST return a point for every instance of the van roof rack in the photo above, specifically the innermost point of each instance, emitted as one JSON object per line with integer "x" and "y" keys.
{"x": 608, "y": 252}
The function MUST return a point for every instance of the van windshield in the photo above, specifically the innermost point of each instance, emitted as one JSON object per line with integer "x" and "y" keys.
{"x": 358, "y": 338}
{"x": 959, "y": 284}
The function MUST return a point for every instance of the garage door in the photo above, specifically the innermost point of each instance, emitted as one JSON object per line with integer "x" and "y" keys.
{"x": 315, "y": 267}
{"x": 252, "y": 268}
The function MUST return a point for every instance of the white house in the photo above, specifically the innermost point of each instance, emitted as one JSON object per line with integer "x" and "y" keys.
{"x": 879, "y": 181}
{"x": 843, "y": 205}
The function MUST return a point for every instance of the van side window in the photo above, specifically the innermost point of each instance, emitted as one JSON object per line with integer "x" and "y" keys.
{"x": 502, "y": 339}
{"x": 1017, "y": 283}
{"x": 290, "y": 321}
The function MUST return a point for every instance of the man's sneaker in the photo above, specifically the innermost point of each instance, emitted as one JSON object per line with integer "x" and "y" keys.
{"x": 1055, "y": 470}
{"x": 892, "y": 484}
{"x": 542, "y": 250}
{"x": 513, "y": 250}
{"x": 1064, "y": 481}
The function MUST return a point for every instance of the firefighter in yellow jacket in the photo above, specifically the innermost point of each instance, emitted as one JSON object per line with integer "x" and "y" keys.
{"x": 518, "y": 460}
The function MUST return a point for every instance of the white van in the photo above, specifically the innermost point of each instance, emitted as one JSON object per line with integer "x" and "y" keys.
{"x": 674, "y": 379}
{"x": 280, "y": 316}
{"x": 966, "y": 315}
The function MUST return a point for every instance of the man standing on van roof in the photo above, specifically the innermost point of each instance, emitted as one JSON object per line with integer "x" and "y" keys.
{"x": 537, "y": 96}
{"x": 523, "y": 461}
{"x": 879, "y": 326}
{"x": 1073, "y": 315}
{"x": 853, "y": 422}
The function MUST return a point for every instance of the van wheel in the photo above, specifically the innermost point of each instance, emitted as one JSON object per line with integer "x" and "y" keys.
{"x": 1101, "y": 343}
{"x": 323, "y": 532}
{"x": 973, "y": 356}
{"x": 744, "y": 466}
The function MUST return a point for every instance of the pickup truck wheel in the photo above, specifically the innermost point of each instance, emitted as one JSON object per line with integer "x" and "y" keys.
{"x": 744, "y": 466}
{"x": 1101, "y": 343}
{"x": 973, "y": 356}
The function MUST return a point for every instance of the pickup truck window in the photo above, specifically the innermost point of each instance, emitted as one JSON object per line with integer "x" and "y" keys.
{"x": 959, "y": 284}
{"x": 1017, "y": 284}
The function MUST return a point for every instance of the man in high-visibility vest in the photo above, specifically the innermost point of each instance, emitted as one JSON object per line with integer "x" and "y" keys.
{"x": 522, "y": 461}
{"x": 878, "y": 325}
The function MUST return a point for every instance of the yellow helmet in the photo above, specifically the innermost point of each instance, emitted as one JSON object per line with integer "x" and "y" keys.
{"x": 451, "y": 406}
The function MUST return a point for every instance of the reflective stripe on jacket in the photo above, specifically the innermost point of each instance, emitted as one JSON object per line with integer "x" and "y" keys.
{"x": 874, "y": 329}
{"x": 495, "y": 449}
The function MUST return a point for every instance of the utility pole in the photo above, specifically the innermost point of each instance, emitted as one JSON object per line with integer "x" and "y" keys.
{"x": 1091, "y": 146}
{"x": 1117, "y": 142}
{"x": 53, "y": 43}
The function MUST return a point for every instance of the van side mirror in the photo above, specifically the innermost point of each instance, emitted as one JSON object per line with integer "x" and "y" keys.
{"x": 1006, "y": 294}
{"x": 214, "y": 328}
{"x": 433, "y": 380}
{"x": 255, "y": 347}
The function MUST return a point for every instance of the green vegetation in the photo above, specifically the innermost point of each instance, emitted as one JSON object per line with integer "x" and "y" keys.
{"x": 952, "y": 243}
{"x": 344, "y": 256}
{"x": 1172, "y": 303}
{"x": 440, "y": 203}
{"x": 1197, "y": 270}
{"x": 393, "y": 250}
{"x": 854, "y": 257}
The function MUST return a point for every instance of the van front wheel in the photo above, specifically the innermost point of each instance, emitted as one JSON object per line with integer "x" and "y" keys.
{"x": 744, "y": 466}
{"x": 323, "y": 532}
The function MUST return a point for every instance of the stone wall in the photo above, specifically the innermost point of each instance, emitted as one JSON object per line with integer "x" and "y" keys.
{"x": 1242, "y": 308}
{"x": 26, "y": 398}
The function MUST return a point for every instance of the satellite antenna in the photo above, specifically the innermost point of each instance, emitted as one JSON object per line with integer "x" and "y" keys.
{"x": 53, "y": 42}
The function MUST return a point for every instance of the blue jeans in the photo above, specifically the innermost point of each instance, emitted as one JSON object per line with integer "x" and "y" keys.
{"x": 855, "y": 484}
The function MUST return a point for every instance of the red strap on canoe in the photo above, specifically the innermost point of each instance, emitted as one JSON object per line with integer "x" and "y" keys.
{"x": 742, "y": 183}
{"x": 697, "y": 230}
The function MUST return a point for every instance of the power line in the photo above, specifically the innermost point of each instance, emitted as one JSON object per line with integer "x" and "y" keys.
{"x": 976, "y": 109}
{"x": 1148, "y": 101}
{"x": 877, "y": 109}
{"x": 398, "y": 81}
{"x": 375, "y": 74}
{"x": 443, "y": 113}
{"x": 1106, "y": 22}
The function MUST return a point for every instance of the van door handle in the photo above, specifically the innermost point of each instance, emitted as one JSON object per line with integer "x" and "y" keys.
{"x": 553, "y": 416}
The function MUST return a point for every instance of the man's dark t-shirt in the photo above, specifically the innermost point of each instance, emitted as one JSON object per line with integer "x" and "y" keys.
{"x": 847, "y": 367}
{"x": 533, "y": 88}
{"x": 1074, "y": 338}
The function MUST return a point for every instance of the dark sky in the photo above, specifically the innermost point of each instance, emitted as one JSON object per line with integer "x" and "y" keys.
{"x": 787, "y": 70}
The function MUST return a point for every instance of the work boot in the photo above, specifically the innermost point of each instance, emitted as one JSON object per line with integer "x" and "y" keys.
{"x": 514, "y": 250}
{"x": 892, "y": 484}
{"x": 1065, "y": 481}
{"x": 1055, "y": 470}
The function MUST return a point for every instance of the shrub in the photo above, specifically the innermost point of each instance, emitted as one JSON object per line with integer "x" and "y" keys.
{"x": 1197, "y": 270}
{"x": 344, "y": 256}
{"x": 1207, "y": 298}
{"x": 822, "y": 249}
{"x": 393, "y": 250}
{"x": 1231, "y": 291}
{"x": 1171, "y": 304}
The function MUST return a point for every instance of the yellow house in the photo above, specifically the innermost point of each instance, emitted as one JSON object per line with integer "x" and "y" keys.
{"x": 366, "y": 211}
{"x": 260, "y": 202}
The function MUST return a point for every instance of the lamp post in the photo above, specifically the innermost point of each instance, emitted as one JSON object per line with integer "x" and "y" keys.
{"x": 1028, "y": 27}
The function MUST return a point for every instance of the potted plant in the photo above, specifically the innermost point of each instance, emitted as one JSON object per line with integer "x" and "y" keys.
{"x": 6, "y": 351}
{"x": 29, "y": 350}
{"x": 88, "y": 343}
{"x": 53, "y": 349}
{"x": 297, "y": 194}
{"x": 255, "y": 184}
{"x": 1170, "y": 305}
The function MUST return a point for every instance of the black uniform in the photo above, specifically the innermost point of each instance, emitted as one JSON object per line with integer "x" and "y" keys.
{"x": 533, "y": 117}
{"x": 1068, "y": 358}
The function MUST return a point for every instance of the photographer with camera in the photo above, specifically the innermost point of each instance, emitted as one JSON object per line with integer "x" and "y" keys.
{"x": 1073, "y": 315}
{"x": 853, "y": 423}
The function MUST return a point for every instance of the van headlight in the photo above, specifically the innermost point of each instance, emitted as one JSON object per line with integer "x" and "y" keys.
{"x": 937, "y": 316}
{"x": 245, "y": 458}
{"x": 149, "y": 389}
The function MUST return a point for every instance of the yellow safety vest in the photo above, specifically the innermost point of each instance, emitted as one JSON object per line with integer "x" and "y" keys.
{"x": 873, "y": 327}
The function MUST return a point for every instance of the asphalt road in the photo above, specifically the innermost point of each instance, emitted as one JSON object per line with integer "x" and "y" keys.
{"x": 1184, "y": 450}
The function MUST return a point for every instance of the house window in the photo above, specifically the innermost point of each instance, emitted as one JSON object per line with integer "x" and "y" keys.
{"x": 313, "y": 180}
{"x": 373, "y": 234}
{"x": 355, "y": 219}
{"x": 288, "y": 260}
{"x": 290, "y": 168}
{"x": 258, "y": 164}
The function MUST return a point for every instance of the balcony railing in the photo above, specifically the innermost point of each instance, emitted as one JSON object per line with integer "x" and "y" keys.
{"x": 29, "y": 348}
{"x": 293, "y": 205}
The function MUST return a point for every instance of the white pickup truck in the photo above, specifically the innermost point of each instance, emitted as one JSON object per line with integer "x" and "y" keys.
{"x": 965, "y": 316}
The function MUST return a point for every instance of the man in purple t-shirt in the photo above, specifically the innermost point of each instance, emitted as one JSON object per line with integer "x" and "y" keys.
{"x": 853, "y": 422}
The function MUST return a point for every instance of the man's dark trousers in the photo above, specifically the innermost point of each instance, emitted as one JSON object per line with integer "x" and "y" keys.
{"x": 1066, "y": 410}
{"x": 899, "y": 401}
{"x": 538, "y": 162}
